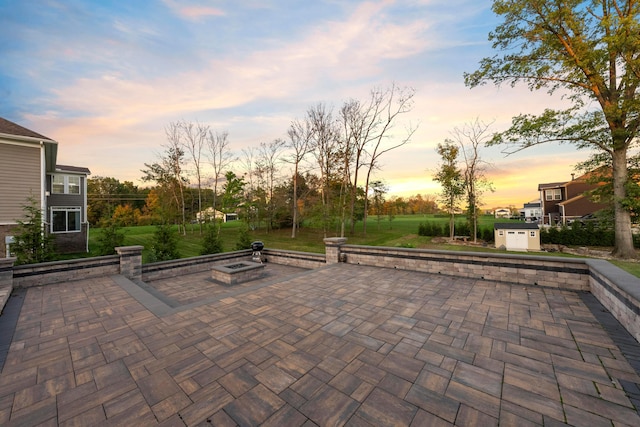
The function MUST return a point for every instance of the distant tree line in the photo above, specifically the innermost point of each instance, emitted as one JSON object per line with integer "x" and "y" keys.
{"x": 126, "y": 204}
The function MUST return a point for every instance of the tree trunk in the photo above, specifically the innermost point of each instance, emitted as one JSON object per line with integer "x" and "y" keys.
{"x": 452, "y": 226}
{"x": 295, "y": 203}
{"x": 624, "y": 239}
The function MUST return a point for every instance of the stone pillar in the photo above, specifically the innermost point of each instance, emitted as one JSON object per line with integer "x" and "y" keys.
{"x": 130, "y": 261}
{"x": 332, "y": 249}
{"x": 6, "y": 280}
{"x": 6, "y": 272}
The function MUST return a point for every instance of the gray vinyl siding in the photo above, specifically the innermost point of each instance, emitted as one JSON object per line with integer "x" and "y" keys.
{"x": 20, "y": 177}
{"x": 66, "y": 200}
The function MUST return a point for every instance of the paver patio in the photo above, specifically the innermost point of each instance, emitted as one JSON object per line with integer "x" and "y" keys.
{"x": 339, "y": 345}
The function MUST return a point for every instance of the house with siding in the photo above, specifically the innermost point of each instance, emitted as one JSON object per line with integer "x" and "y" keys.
{"x": 532, "y": 211}
{"x": 563, "y": 202}
{"x": 28, "y": 170}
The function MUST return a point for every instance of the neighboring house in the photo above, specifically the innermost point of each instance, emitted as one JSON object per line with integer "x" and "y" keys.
{"x": 28, "y": 169}
{"x": 532, "y": 211}
{"x": 563, "y": 202}
{"x": 209, "y": 214}
{"x": 517, "y": 236}
{"x": 502, "y": 213}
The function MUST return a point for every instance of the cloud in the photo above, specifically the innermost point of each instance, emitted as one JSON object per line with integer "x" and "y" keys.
{"x": 106, "y": 95}
{"x": 329, "y": 53}
{"x": 192, "y": 12}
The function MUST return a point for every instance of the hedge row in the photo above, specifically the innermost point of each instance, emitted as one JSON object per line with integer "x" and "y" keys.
{"x": 439, "y": 229}
{"x": 579, "y": 234}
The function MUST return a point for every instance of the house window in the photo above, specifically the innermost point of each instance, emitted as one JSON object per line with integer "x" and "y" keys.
{"x": 65, "y": 184}
{"x": 65, "y": 220}
{"x": 532, "y": 234}
{"x": 555, "y": 194}
{"x": 500, "y": 233}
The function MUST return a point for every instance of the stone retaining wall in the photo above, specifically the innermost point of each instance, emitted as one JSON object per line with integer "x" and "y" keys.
{"x": 179, "y": 267}
{"x": 48, "y": 273}
{"x": 618, "y": 291}
{"x": 294, "y": 259}
{"x": 567, "y": 273}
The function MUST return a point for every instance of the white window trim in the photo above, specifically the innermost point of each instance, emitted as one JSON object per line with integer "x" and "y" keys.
{"x": 66, "y": 209}
{"x": 67, "y": 185}
{"x": 553, "y": 194}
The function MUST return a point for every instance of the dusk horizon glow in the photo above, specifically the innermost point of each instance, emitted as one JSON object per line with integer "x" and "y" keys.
{"x": 105, "y": 79}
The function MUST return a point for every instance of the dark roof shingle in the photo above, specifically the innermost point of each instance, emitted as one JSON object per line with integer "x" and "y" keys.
{"x": 11, "y": 128}
{"x": 77, "y": 169}
{"x": 515, "y": 226}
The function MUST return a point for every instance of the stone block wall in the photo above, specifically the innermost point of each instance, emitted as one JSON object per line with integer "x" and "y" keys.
{"x": 179, "y": 267}
{"x": 294, "y": 259}
{"x": 619, "y": 292}
{"x": 63, "y": 271}
{"x": 566, "y": 273}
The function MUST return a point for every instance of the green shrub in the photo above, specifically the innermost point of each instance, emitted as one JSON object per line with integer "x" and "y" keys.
{"x": 33, "y": 244}
{"x": 578, "y": 234}
{"x": 244, "y": 240}
{"x": 165, "y": 244}
{"x": 433, "y": 229}
{"x": 487, "y": 234}
{"x": 211, "y": 242}
{"x": 111, "y": 237}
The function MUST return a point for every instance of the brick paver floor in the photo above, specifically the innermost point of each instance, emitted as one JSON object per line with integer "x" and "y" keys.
{"x": 339, "y": 345}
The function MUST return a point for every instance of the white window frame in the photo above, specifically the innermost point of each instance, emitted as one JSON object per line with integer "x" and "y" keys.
{"x": 70, "y": 184}
{"x": 532, "y": 233}
{"x": 553, "y": 194}
{"x": 76, "y": 210}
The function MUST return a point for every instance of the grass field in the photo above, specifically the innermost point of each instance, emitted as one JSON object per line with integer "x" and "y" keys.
{"x": 401, "y": 232}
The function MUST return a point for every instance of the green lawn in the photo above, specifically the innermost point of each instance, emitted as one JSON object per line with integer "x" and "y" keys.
{"x": 401, "y": 232}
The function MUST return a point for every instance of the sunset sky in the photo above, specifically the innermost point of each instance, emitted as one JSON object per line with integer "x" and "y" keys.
{"x": 104, "y": 79}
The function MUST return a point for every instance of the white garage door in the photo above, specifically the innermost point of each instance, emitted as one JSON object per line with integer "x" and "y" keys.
{"x": 517, "y": 240}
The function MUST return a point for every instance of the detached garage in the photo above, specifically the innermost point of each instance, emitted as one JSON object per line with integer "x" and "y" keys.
{"x": 517, "y": 236}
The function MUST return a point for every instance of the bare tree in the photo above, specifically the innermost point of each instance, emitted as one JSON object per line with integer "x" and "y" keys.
{"x": 356, "y": 120}
{"x": 267, "y": 166}
{"x": 384, "y": 109}
{"x": 220, "y": 157}
{"x": 248, "y": 162}
{"x": 300, "y": 142}
{"x": 470, "y": 138}
{"x": 324, "y": 137}
{"x": 194, "y": 138}
{"x": 175, "y": 163}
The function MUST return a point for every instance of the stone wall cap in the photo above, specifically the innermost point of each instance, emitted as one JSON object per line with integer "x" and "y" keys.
{"x": 123, "y": 249}
{"x": 334, "y": 240}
